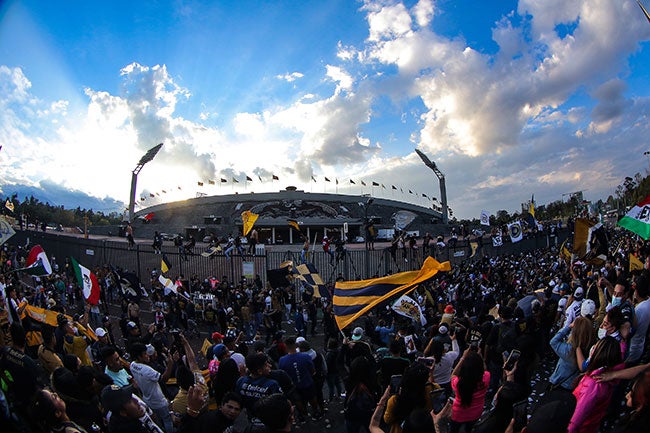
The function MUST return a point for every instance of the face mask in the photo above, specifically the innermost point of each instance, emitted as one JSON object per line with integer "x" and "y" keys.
{"x": 616, "y": 300}
{"x": 602, "y": 333}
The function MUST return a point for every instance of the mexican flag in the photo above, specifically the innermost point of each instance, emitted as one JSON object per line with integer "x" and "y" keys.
{"x": 637, "y": 220}
{"x": 88, "y": 282}
{"x": 37, "y": 263}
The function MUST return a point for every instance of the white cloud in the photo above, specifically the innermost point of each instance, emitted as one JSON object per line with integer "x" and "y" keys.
{"x": 290, "y": 77}
{"x": 344, "y": 80}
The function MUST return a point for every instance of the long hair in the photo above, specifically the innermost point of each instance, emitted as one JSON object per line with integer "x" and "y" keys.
{"x": 582, "y": 334}
{"x": 607, "y": 354}
{"x": 470, "y": 377}
{"x": 411, "y": 391}
{"x": 641, "y": 393}
{"x": 419, "y": 421}
{"x": 44, "y": 411}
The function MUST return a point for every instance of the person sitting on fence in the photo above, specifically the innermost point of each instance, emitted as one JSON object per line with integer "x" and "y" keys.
{"x": 189, "y": 246}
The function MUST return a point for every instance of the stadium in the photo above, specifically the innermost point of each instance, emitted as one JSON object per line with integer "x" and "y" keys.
{"x": 316, "y": 213}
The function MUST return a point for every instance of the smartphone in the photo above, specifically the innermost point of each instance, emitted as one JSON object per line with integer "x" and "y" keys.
{"x": 395, "y": 381}
{"x": 438, "y": 400}
{"x": 427, "y": 362}
{"x": 512, "y": 359}
{"x": 520, "y": 414}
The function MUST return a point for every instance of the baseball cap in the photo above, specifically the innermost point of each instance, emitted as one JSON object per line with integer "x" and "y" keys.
{"x": 114, "y": 397}
{"x": 443, "y": 329}
{"x": 217, "y": 336}
{"x": 449, "y": 309}
{"x": 300, "y": 340}
{"x": 357, "y": 333}
{"x": 588, "y": 308}
{"x": 131, "y": 324}
{"x": 219, "y": 350}
{"x": 578, "y": 293}
{"x": 150, "y": 349}
{"x": 100, "y": 332}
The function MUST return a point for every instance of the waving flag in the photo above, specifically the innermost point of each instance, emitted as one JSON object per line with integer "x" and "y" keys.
{"x": 88, "y": 282}
{"x": 485, "y": 218}
{"x": 497, "y": 241}
{"x": 248, "y": 219}
{"x": 165, "y": 264}
{"x": 6, "y": 231}
{"x": 37, "y": 263}
{"x": 637, "y": 220}
{"x": 352, "y": 299}
{"x": 590, "y": 242}
{"x": 308, "y": 273}
{"x": 168, "y": 285}
{"x": 406, "y": 306}
{"x": 9, "y": 205}
{"x": 516, "y": 234}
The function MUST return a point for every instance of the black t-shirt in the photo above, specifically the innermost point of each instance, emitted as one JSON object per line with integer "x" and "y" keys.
{"x": 24, "y": 374}
{"x": 390, "y": 366}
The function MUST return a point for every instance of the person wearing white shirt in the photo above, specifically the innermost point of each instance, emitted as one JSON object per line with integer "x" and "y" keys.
{"x": 148, "y": 381}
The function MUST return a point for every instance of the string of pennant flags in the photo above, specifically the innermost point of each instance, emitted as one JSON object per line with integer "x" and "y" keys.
{"x": 342, "y": 182}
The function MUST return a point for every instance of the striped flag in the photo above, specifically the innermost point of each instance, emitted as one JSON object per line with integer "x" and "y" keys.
{"x": 37, "y": 263}
{"x": 353, "y": 299}
{"x": 88, "y": 282}
{"x": 165, "y": 264}
{"x": 637, "y": 220}
{"x": 168, "y": 285}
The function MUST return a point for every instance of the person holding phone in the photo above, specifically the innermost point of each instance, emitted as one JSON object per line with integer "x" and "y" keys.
{"x": 470, "y": 381}
{"x": 414, "y": 392}
{"x": 443, "y": 360}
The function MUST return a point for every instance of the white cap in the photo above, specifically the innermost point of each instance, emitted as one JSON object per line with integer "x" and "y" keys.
{"x": 100, "y": 332}
{"x": 588, "y": 308}
{"x": 300, "y": 339}
{"x": 357, "y": 333}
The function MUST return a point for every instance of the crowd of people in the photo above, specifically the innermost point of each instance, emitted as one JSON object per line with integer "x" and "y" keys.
{"x": 524, "y": 341}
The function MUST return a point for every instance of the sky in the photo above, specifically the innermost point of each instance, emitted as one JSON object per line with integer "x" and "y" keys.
{"x": 510, "y": 99}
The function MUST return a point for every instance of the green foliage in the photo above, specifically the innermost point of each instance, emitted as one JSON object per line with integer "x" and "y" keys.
{"x": 38, "y": 211}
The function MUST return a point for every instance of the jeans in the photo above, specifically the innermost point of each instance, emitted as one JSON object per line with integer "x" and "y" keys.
{"x": 164, "y": 419}
{"x": 334, "y": 385}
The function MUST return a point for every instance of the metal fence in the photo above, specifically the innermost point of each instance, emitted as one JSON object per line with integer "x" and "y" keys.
{"x": 355, "y": 263}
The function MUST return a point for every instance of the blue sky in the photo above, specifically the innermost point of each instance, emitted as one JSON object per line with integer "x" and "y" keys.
{"x": 509, "y": 98}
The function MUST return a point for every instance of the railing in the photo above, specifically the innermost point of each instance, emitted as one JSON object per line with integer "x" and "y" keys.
{"x": 356, "y": 263}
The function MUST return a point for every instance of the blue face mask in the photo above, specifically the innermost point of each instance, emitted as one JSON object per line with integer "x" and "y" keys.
{"x": 616, "y": 300}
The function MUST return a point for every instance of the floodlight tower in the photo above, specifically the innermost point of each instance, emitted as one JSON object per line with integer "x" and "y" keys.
{"x": 134, "y": 177}
{"x": 441, "y": 179}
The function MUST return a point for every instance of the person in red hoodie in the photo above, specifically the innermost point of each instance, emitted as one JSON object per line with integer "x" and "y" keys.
{"x": 593, "y": 397}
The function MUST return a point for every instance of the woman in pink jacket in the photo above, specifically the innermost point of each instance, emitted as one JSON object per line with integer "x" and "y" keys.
{"x": 593, "y": 397}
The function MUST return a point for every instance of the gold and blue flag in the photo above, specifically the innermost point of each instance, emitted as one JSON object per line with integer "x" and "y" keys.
{"x": 309, "y": 275}
{"x": 352, "y": 299}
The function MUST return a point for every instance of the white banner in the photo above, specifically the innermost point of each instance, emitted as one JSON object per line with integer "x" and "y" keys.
{"x": 406, "y": 306}
{"x": 516, "y": 234}
{"x": 485, "y": 218}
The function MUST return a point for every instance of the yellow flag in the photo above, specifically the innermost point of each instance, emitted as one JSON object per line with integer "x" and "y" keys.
{"x": 248, "y": 218}
{"x": 635, "y": 263}
{"x": 9, "y": 205}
